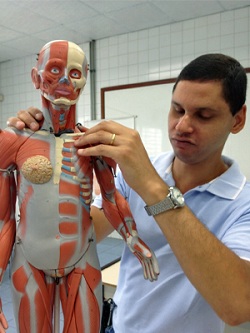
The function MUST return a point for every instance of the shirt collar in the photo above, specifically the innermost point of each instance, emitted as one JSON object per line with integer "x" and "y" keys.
{"x": 228, "y": 185}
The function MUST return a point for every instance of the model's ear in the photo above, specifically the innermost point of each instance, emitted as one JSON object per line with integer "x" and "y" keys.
{"x": 35, "y": 77}
{"x": 239, "y": 120}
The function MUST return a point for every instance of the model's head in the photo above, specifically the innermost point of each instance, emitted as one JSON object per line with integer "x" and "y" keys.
{"x": 61, "y": 72}
{"x": 219, "y": 67}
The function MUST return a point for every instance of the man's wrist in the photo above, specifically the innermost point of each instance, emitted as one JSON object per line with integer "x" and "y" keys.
{"x": 155, "y": 196}
{"x": 174, "y": 199}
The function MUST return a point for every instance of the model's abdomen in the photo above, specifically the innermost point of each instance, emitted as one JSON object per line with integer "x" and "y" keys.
{"x": 55, "y": 195}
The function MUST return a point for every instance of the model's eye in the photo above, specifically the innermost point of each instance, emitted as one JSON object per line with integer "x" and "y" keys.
{"x": 75, "y": 74}
{"x": 55, "y": 70}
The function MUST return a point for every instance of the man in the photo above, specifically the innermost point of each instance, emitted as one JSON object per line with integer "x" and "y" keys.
{"x": 55, "y": 258}
{"x": 203, "y": 247}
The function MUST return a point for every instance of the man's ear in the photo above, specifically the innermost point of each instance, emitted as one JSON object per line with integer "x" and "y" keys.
{"x": 35, "y": 77}
{"x": 239, "y": 120}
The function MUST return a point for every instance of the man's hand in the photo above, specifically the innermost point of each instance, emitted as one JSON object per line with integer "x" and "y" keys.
{"x": 31, "y": 118}
{"x": 125, "y": 147}
{"x": 3, "y": 321}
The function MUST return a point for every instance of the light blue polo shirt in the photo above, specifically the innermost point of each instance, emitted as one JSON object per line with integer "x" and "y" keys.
{"x": 172, "y": 304}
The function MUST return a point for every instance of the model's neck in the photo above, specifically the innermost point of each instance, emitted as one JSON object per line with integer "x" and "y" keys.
{"x": 58, "y": 118}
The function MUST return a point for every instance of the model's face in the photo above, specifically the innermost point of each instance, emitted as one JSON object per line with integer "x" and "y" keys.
{"x": 199, "y": 121}
{"x": 62, "y": 68}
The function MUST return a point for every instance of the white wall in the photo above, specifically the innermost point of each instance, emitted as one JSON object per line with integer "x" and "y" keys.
{"x": 145, "y": 55}
{"x": 160, "y": 53}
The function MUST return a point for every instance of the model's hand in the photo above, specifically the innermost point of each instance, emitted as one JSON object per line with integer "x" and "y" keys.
{"x": 3, "y": 321}
{"x": 125, "y": 148}
{"x": 31, "y": 118}
{"x": 145, "y": 255}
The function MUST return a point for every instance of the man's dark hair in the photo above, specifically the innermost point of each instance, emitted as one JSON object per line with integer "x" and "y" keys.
{"x": 222, "y": 68}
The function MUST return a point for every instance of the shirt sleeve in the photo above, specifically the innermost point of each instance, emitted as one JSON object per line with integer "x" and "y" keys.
{"x": 237, "y": 237}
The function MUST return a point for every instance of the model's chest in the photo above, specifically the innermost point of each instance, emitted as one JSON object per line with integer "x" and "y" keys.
{"x": 44, "y": 157}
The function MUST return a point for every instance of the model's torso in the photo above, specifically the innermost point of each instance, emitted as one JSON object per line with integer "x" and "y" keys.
{"x": 54, "y": 193}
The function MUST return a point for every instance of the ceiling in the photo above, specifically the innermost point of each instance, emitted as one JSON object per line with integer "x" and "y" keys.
{"x": 26, "y": 25}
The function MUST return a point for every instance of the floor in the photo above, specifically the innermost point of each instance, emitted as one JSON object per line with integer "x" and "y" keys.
{"x": 109, "y": 250}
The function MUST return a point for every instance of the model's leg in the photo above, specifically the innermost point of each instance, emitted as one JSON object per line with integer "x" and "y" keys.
{"x": 33, "y": 297}
{"x": 82, "y": 296}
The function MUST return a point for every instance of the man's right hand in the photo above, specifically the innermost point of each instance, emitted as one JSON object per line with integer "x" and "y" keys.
{"x": 31, "y": 118}
{"x": 3, "y": 321}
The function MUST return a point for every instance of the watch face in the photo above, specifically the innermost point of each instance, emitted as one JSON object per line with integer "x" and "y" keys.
{"x": 177, "y": 196}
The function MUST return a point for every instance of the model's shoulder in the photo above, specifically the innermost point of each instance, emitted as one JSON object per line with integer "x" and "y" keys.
{"x": 15, "y": 131}
{"x": 8, "y": 133}
{"x": 11, "y": 135}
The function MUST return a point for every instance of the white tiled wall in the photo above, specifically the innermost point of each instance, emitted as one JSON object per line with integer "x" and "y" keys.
{"x": 146, "y": 55}
{"x": 161, "y": 52}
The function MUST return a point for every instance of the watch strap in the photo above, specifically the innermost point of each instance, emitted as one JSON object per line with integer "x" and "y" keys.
{"x": 160, "y": 207}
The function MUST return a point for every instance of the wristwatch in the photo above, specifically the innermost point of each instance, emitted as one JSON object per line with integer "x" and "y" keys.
{"x": 173, "y": 200}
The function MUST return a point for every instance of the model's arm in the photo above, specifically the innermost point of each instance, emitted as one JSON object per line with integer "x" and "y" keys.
{"x": 3, "y": 321}
{"x": 7, "y": 229}
{"x": 7, "y": 220}
{"x": 117, "y": 211}
{"x": 7, "y": 217}
{"x": 218, "y": 274}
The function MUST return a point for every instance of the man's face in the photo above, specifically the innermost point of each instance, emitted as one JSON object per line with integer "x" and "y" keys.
{"x": 62, "y": 68}
{"x": 199, "y": 121}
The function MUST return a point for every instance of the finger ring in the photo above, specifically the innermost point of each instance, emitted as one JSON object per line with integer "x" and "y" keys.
{"x": 112, "y": 139}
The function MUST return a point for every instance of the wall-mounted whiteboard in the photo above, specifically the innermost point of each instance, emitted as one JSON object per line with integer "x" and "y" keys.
{"x": 126, "y": 121}
{"x": 149, "y": 103}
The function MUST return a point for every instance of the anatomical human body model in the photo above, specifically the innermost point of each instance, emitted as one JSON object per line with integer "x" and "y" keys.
{"x": 55, "y": 258}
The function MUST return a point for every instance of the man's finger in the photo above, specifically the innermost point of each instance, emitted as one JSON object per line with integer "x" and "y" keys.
{"x": 15, "y": 122}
